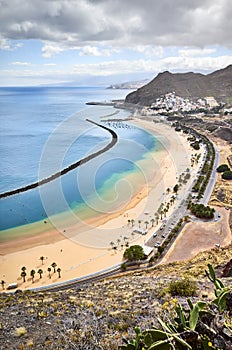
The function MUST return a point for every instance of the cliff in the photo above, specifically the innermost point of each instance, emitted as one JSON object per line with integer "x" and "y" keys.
{"x": 188, "y": 85}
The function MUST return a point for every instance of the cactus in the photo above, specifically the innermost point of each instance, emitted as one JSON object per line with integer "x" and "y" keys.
{"x": 188, "y": 330}
{"x": 212, "y": 277}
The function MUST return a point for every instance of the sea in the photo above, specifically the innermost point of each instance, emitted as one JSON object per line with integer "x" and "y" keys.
{"x": 46, "y": 129}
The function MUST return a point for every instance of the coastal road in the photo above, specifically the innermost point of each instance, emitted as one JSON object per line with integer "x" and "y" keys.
{"x": 78, "y": 282}
{"x": 161, "y": 234}
{"x": 213, "y": 178}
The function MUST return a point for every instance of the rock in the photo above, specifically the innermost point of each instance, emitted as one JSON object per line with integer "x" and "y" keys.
{"x": 227, "y": 271}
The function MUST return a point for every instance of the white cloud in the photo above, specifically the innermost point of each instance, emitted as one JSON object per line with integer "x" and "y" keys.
{"x": 8, "y": 45}
{"x": 118, "y": 23}
{"x": 193, "y": 31}
{"x": 175, "y": 63}
{"x": 19, "y": 63}
{"x": 111, "y": 69}
{"x": 48, "y": 50}
{"x": 49, "y": 64}
{"x": 97, "y": 51}
{"x": 196, "y": 52}
{"x": 4, "y": 44}
{"x": 90, "y": 51}
{"x": 149, "y": 50}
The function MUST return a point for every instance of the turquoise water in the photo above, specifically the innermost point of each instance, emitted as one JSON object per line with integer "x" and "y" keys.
{"x": 44, "y": 130}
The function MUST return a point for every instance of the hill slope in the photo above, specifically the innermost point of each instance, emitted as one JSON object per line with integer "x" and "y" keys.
{"x": 96, "y": 316}
{"x": 188, "y": 85}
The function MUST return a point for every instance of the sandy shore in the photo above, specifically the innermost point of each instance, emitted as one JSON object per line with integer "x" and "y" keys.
{"x": 85, "y": 248}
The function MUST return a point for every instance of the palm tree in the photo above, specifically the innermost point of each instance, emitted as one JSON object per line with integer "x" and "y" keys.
{"x": 161, "y": 214}
{"x": 139, "y": 222}
{"x": 42, "y": 258}
{"x": 157, "y": 218}
{"x": 49, "y": 272}
{"x": 3, "y": 284}
{"x": 112, "y": 244}
{"x": 132, "y": 222}
{"x": 152, "y": 222}
{"x": 146, "y": 223}
{"x": 128, "y": 222}
{"x": 23, "y": 275}
{"x": 54, "y": 266}
{"x": 32, "y": 273}
{"x": 40, "y": 272}
{"x": 118, "y": 241}
{"x": 58, "y": 270}
{"x": 23, "y": 268}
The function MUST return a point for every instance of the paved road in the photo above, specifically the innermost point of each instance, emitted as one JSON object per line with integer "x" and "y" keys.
{"x": 181, "y": 211}
{"x": 212, "y": 180}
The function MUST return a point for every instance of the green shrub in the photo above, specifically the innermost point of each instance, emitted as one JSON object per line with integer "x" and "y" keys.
{"x": 183, "y": 287}
{"x": 227, "y": 175}
{"x": 123, "y": 266}
{"x": 201, "y": 211}
{"x": 222, "y": 168}
{"x": 135, "y": 252}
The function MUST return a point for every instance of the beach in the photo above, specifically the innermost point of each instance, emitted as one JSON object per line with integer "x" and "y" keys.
{"x": 83, "y": 248}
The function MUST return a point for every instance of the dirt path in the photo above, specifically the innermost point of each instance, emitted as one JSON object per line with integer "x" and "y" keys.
{"x": 199, "y": 236}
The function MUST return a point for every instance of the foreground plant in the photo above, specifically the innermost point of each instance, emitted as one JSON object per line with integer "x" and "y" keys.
{"x": 203, "y": 326}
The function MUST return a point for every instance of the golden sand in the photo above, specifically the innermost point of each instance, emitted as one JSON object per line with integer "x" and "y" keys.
{"x": 84, "y": 248}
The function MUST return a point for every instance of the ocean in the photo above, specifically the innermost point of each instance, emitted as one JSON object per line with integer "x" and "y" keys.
{"x": 44, "y": 130}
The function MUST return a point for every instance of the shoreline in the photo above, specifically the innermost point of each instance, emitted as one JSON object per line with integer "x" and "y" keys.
{"x": 83, "y": 253}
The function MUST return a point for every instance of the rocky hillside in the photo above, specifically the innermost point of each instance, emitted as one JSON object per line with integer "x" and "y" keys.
{"x": 97, "y": 316}
{"x": 188, "y": 85}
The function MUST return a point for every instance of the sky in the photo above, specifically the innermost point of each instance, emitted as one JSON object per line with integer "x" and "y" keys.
{"x": 101, "y": 42}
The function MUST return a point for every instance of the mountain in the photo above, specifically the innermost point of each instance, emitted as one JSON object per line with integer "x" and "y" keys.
{"x": 188, "y": 85}
{"x": 129, "y": 84}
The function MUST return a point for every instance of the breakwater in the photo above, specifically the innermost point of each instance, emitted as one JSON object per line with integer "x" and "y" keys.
{"x": 69, "y": 168}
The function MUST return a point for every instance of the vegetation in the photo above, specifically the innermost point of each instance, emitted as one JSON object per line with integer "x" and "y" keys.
{"x": 195, "y": 145}
{"x": 42, "y": 258}
{"x": 32, "y": 273}
{"x": 23, "y": 275}
{"x": 222, "y": 168}
{"x": 184, "y": 287}
{"x": 40, "y": 272}
{"x": 59, "y": 271}
{"x": 193, "y": 328}
{"x": 201, "y": 211}
{"x": 176, "y": 188}
{"x": 85, "y": 317}
{"x": 227, "y": 175}
{"x": 54, "y": 266}
{"x": 49, "y": 272}
{"x": 134, "y": 253}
